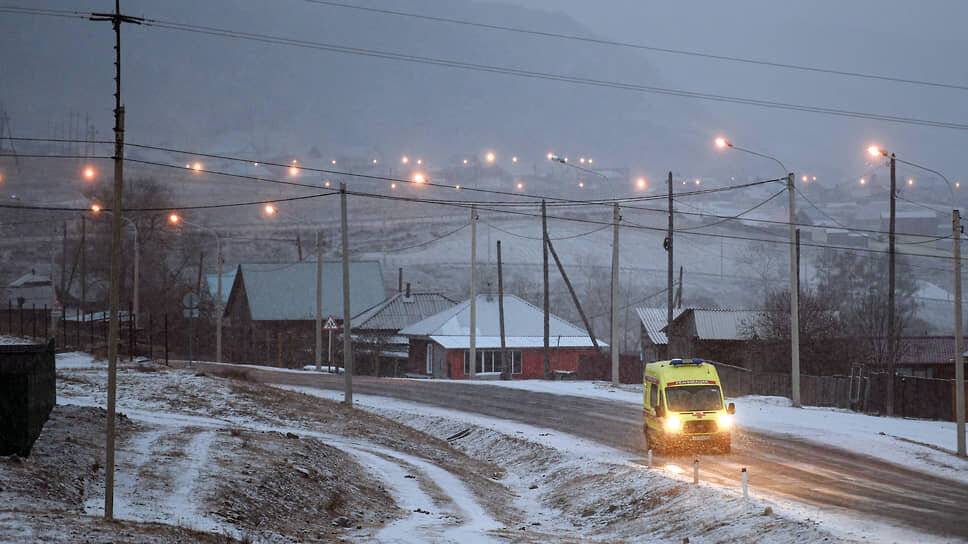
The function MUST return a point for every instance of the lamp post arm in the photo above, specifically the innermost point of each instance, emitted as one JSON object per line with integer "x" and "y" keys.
{"x": 933, "y": 171}
{"x": 603, "y": 176}
{"x": 763, "y": 155}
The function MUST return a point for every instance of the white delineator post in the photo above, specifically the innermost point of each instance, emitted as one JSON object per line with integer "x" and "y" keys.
{"x": 746, "y": 490}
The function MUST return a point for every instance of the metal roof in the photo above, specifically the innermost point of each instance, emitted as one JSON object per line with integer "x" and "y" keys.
{"x": 401, "y": 310}
{"x": 287, "y": 291}
{"x": 723, "y": 324}
{"x": 655, "y": 320}
{"x": 521, "y": 321}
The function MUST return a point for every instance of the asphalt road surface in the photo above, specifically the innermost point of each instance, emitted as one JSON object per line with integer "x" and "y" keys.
{"x": 833, "y": 479}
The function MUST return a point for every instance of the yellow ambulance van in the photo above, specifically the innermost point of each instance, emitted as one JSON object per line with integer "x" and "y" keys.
{"x": 683, "y": 404}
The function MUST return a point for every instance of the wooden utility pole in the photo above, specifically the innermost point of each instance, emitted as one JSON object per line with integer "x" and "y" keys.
{"x": 83, "y": 261}
{"x": 113, "y": 327}
{"x": 547, "y": 319}
{"x": 472, "y": 352}
{"x": 347, "y": 315}
{"x": 574, "y": 297}
{"x": 319, "y": 304}
{"x": 615, "y": 329}
{"x": 959, "y": 341}
{"x": 794, "y": 299}
{"x": 668, "y": 247}
{"x": 891, "y": 329}
{"x": 505, "y": 371}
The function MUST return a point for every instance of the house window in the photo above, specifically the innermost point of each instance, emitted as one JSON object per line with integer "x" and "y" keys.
{"x": 489, "y": 361}
{"x": 430, "y": 358}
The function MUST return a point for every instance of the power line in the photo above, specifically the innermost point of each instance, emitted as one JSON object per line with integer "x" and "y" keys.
{"x": 644, "y": 47}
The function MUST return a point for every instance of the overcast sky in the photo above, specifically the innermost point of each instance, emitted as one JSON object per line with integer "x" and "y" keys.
{"x": 49, "y": 66}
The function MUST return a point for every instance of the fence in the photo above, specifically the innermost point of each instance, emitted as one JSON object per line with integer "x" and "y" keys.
{"x": 924, "y": 398}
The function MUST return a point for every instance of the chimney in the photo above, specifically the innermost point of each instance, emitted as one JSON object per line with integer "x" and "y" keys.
{"x": 407, "y": 297}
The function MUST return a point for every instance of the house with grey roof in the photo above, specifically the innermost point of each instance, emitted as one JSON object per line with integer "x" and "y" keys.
{"x": 270, "y": 313}
{"x": 440, "y": 344}
{"x": 33, "y": 290}
{"x": 715, "y": 334}
{"x": 377, "y": 344}
{"x": 652, "y": 323}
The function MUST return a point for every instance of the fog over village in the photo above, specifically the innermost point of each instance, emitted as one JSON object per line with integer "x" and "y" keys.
{"x": 531, "y": 205}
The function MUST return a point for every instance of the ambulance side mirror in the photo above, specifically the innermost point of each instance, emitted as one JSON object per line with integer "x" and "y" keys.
{"x": 731, "y": 408}
{"x": 660, "y": 411}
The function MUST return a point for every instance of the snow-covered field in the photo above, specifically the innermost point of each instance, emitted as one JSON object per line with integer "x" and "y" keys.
{"x": 221, "y": 460}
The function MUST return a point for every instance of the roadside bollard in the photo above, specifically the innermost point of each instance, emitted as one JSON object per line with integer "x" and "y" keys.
{"x": 695, "y": 471}
{"x": 650, "y": 457}
{"x": 746, "y": 489}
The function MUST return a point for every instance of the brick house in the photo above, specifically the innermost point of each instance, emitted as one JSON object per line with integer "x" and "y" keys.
{"x": 440, "y": 344}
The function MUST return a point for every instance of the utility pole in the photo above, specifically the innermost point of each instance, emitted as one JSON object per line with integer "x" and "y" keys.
{"x": 547, "y": 319}
{"x": 116, "y": 19}
{"x": 319, "y": 302}
{"x": 347, "y": 339}
{"x": 959, "y": 341}
{"x": 83, "y": 261}
{"x": 794, "y": 299}
{"x": 614, "y": 339}
{"x": 891, "y": 340}
{"x": 668, "y": 247}
{"x": 505, "y": 371}
{"x": 472, "y": 352}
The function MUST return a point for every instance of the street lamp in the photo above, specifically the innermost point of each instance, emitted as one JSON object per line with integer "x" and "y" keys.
{"x": 96, "y": 209}
{"x": 723, "y": 143}
{"x": 176, "y": 219}
{"x": 271, "y": 210}
{"x": 892, "y": 341}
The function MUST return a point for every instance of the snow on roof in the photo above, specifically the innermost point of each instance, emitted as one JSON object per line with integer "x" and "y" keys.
{"x": 286, "y": 291}
{"x": 521, "y": 320}
{"x": 32, "y": 279}
{"x": 399, "y": 310}
{"x": 655, "y": 320}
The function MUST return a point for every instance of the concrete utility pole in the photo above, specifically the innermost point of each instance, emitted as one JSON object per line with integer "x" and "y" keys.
{"x": 116, "y": 19}
{"x": 614, "y": 339}
{"x": 505, "y": 371}
{"x": 319, "y": 302}
{"x": 668, "y": 247}
{"x": 547, "y": 319}
{"x": 347, "y": 338}
{"x": 472, "y": 352}
{"x": 794, "y": 298}
{"x": 891, "y": 340}
{"x": 959, "y": 341}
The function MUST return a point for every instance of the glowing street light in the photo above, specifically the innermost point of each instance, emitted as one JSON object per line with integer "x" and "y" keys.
{"x": 95, "y": 208}
{"x": 89, "y": 173}
{"x": 804, "y": 179}
{"x": 520, "y": 186}
{"x": 270, "y": 209}
{"x": 404, "y": 159}
{"x": 641, "y": 183}
{"x": 419, "y": 178}
{"x": 174, "y": 219}
{"x": 514, "y": 159}
{"x": 293, "y": 171}
{"x": 490, "y": 157}
{"x": 581, "y": 184}
{"x": 465, "y": 161}
{"x": 393, "y": 185}
{"x": 197, "y": 167}
{"x": 863, "y": 181}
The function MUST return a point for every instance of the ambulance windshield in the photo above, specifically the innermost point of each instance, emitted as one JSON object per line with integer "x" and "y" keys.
{"x": 694, "y": 398}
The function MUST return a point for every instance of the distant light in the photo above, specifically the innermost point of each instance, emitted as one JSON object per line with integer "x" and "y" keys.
{"x": 404, "y": 159}
{"x": 876, "y": 151}
{"x": 188, "y": 166}
{"x": 294, "y": 171}
{"x": 174, "y": 219}
{"x": 698, "y": 182}
{"x": 641, "y": 183}
{"x": 374, "y": 161}
{"x": 590, "y": 161}
{"x": 520, "y": 185}
{"x": 721, "y": 143}
{"x": 465, "y": 161}
{"x": 582, "y": 160}
{"x": 270, "y": 209}
{"x": 95, "y": 208}
{"x": 419, "y": 161}
{"x": 333, "y": 162}
{"x": 255, "y": 164}
{"x": 294, "y": 161}
{"x": 804, "y": 178}
{"x": 551, "y": 156}
{"x": 581, "y": 184}
{"x": 89, "y": 172}
{"x": 393, "y": 185}
{"x": 419, "y": 178}
{"x": 863, "y": 181}
{"x": 565, "y": 159}
{"x": 197, "y": 166}
{"x": 490, "y": 156}
{"x": 326, "y": 184}
{"x": 514, "y": 159}
{"x": 910, "y": 181}
{"x": 814, "y": 178}
{"x": 457, "y": 187}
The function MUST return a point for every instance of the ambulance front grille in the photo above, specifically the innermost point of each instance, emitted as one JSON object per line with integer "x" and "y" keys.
{"x": 700, "y": 426}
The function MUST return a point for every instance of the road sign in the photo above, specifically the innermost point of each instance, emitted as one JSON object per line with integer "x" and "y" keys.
{"x": 330, "y": 324}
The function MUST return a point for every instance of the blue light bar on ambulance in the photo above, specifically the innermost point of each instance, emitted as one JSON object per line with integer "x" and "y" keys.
{"x": 677, "y": 362}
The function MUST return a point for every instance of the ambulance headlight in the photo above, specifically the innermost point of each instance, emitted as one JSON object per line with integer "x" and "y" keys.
{"x": 725, "y": 422}
{"x": 673, "y": 424}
